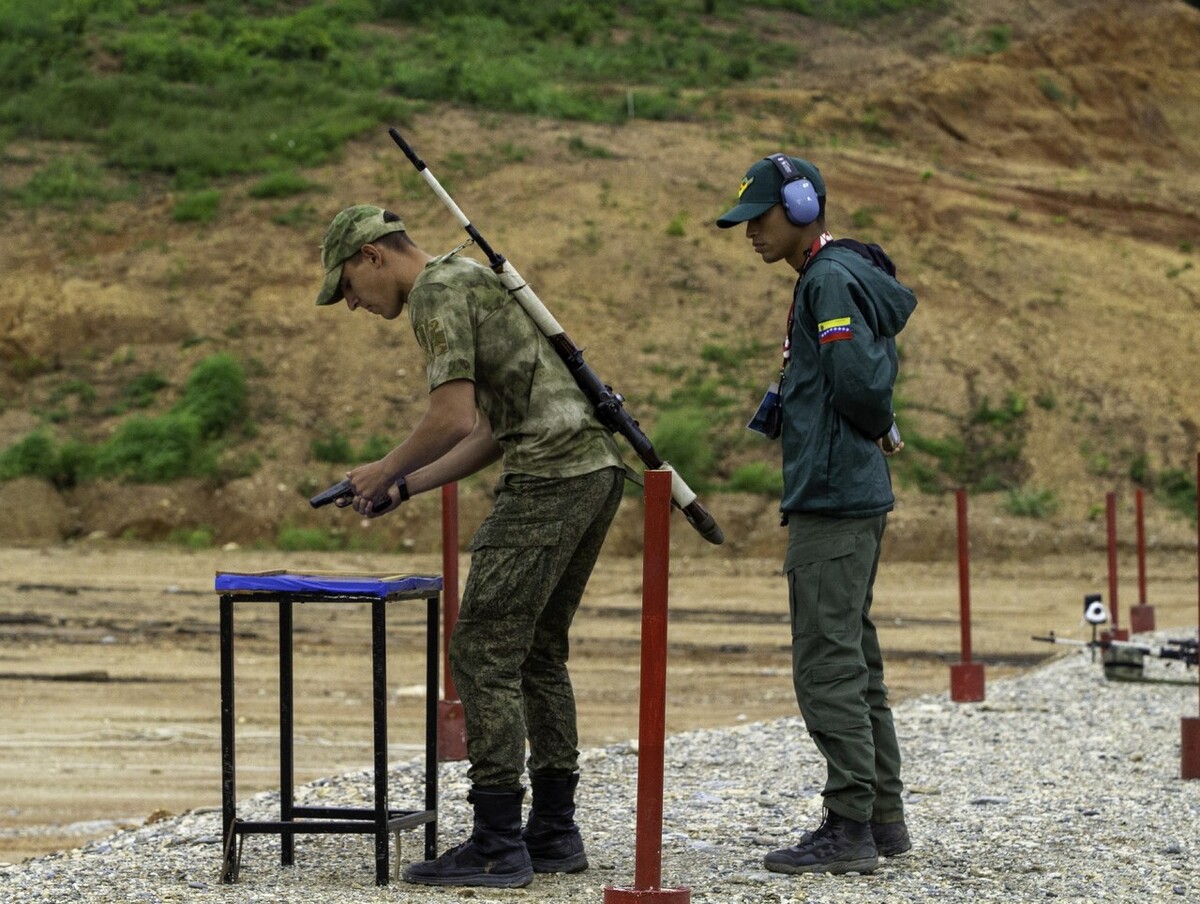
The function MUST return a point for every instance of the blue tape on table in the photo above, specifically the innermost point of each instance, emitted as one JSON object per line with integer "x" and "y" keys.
{"x": 364, "y": 585}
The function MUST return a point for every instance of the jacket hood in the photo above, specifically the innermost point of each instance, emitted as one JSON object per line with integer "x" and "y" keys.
{"x": 890, "y": 302}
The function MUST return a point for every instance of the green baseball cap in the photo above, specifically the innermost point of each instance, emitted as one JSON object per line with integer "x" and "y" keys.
{"x": 347, "y": 233}
{"x": 759, "y": 191}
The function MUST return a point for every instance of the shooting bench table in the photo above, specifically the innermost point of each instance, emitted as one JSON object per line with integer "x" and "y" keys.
{"x": 283, "y": 589}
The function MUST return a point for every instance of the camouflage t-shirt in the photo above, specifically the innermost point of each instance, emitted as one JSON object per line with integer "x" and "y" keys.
{"x": 470, "y": 327}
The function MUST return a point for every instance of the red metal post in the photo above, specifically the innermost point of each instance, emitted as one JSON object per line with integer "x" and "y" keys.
{"x": 1141, "y": 616}
{"x": 1140, "y": 502}
{"x": 966, "y": 677}
{"x": 652, "y": 703}
{"x": 452, "y": 726}
{"x": 1117, "y": 633}
{"x": 964, "y": 576}
{"x": 449, "y": 579}
{"x": 1189, "y": 749}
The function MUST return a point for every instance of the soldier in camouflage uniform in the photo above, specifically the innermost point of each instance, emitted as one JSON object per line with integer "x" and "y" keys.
{"x": 497, "y": 390}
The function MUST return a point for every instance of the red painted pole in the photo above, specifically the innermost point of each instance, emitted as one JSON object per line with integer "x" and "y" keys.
{"x": 964, "y": 576}
{"x": 966, "y": 677}
{"x": 1141, "y": 616}
{"x": 1111, "y": 509}
{"x": 449, "y": 580}
{"x": 1140, "y": 501}
{"x": 1110, "y": 506}
{"x": 652, "y": 704}
{"x": 452, "y": 727}
{"x": 652, "y": 719}
{"x": 1189, "y": 729}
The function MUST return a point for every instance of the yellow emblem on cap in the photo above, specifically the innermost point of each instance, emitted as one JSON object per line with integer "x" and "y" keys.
{"x": 745, "y": 185}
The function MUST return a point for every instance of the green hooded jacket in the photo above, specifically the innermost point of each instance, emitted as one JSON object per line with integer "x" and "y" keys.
{"x": 837, "y": 386}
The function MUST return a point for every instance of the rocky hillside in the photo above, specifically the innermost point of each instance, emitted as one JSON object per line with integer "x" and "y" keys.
{"x": 1043, "y": 200}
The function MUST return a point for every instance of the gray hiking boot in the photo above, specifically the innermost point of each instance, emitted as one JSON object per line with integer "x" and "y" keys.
{"x": 838, "y": 845}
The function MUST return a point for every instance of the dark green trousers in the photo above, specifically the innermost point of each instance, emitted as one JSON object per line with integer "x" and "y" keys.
{"x": 531, "y": 559}
{"x": 837, "y": 666}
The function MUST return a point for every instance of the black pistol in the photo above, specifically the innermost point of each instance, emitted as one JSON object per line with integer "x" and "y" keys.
{"x": 335, "y": 492}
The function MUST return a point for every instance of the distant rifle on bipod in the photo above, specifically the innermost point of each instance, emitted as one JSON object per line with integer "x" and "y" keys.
{"x": 1122, "y": 659}
{"x": 609, "y": 405}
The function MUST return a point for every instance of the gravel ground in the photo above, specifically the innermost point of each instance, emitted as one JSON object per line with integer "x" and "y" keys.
{"x": 1060, "y": 785}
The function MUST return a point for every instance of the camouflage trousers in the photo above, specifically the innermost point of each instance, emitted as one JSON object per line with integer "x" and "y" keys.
{"x": 531, "y": 560}
{"x": 837, "y": 666}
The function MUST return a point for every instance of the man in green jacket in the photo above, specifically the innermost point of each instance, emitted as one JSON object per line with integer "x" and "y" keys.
{"x": 835, "y": 420}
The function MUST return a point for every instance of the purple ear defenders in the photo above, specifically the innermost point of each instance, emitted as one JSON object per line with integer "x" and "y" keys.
{"x": 799, "y": 198}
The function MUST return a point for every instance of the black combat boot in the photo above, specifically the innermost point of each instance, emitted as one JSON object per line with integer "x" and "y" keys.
{"x": 891, "y": 838}
{"x": 838, "y": 845}
{"x": 494, "y": 856}
{"x": 551, "y": 835}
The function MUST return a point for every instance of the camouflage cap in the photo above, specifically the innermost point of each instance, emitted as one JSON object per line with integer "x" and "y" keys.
{"x": 347, "y": 233}
{"x": 759, "y": 191}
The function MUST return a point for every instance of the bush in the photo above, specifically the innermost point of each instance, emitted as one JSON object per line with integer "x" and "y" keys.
{"x": 66, "y": 183}
{"x": 757, "y": 477}
{"x": 180, "y": 443}
{"x": 334, "y": 447}
{"x": 282, "y": 185}
{"x": 985, "y": 455}
{"x": 1179, "y": 491}
{"x": 197, "y": 207}
{"x": 76, "y": 461}
{"x": 681, "y": 438}
{"x": 141, "y": 389}
{"x": 375, "y": 448}
{"x": 215, "y": 395}
{"x": 36, "y": 456}
{"x": 156, "y": 450}
{"x": 304, "y": 539}
{"x": 1030, "y": 502}
{"x": 194, "y": 538}
{"x": 853, "y": 12}
{"x": 33, "y": 456}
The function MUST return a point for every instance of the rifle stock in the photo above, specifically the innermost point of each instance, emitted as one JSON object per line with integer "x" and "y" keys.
{"x": 608, "y": 405}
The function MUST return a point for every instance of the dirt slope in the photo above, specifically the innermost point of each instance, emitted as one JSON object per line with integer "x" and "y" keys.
{"x": 1043, "y": 202}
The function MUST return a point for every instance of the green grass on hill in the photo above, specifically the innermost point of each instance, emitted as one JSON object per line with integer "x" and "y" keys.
{"x": 199, "y": 89}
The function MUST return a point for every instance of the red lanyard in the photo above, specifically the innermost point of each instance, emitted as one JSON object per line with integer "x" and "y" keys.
{"x": 818, "y": 243}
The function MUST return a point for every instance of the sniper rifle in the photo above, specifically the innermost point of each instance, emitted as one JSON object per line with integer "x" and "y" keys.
{"x": 1124, "y": 660}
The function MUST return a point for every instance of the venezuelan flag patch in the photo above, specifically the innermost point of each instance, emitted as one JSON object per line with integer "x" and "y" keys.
{"x": 834, "y": 330}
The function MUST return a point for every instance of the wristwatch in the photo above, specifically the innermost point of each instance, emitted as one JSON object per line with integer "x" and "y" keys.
{"x": 402, "y": 486}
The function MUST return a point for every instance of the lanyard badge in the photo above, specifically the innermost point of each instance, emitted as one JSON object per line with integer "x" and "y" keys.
{"x": 768, "y": 419}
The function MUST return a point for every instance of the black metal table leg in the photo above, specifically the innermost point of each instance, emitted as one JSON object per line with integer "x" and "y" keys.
{"x": 431, "y": 723}
{"x": 379, "y": 695}
{"x": 228, "y": 772}
{"x": 287, "y": 760}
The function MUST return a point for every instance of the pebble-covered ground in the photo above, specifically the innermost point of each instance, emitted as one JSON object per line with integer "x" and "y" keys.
{"x": 1059, "y": 786}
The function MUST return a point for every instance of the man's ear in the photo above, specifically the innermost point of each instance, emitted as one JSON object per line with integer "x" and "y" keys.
{"x": 372, "y": 254}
